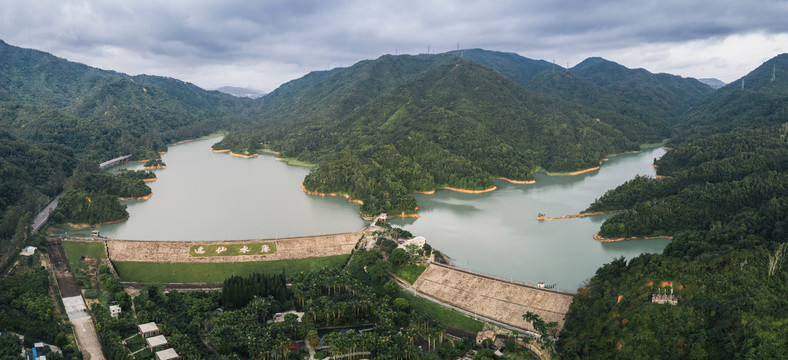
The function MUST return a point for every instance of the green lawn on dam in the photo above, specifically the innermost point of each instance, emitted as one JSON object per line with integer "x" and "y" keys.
{"x": 203, "y": 195}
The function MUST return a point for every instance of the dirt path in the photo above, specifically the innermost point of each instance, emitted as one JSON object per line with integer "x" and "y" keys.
{"x": 84, "y": 328}
{"x": 65, "y": 278}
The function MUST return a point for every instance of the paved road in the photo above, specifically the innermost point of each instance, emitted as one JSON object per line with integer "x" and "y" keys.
{"x": 43, "y": 215}
{"x": 87, "y": 338}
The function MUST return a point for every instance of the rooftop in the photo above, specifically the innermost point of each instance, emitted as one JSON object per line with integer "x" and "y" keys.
{"x": 148, "y": 327}
{"x": 156, "y": 341}
{"x": 166, "y": 354}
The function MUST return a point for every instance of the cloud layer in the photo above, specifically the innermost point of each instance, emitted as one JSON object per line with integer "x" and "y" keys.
{"x": 262, "y": 44}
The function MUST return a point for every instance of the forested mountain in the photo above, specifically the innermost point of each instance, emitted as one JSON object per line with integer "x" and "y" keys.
{"x": 640, "y": 123}
{"x": 385, "y": 128}
{"x": 382, "y": 129}
{"x": 518, "y": 68}
{"x": 55, "y": 113}
{"x": 761, "y": 102}
{"x": 30, "y": 175}
{"x": 714, "y": 83}
{"x": 643, "y": 105}
{"x": 671, "y": 95}
{"x": 102, "y": 113}
{"x": 724, "y": 199}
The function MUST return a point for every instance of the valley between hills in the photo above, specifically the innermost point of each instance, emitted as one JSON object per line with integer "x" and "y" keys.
{"x": 378, "y": 132}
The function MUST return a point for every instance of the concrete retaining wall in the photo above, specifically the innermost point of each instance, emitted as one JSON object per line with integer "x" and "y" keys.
{"x": 178, "y": 251}
{"x": 501, "y": 300}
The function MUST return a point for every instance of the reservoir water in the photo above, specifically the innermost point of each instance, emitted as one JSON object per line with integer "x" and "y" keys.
{"x": 206, "y": 196}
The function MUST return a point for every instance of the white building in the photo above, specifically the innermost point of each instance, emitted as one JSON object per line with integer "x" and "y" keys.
{"x": 114, "y": 310}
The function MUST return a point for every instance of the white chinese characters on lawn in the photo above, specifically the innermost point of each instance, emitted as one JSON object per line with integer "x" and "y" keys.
{"x": 244, "y": 249}
{"x": 199, "y": 250}
{"x": 221, "y": 249}
{"x": 265, "y": 249}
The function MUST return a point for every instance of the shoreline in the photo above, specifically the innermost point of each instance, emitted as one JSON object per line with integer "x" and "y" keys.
{"x": 85, "y": 226}
{"x": 150, "y": 179}
{"x": 493, "y": 188}
{"x": 293, "y": 162}
{"x": 221, "y": 151}
{"x": 146, "y": 197}
{"x": 349, "y": 199}
{"x": 578, "y": 215}
{"x": 423, "y": 192}
{"x": 517, "y": 181}
{"x": 155, "y": 167}
{"x": 400, "y": 215}
{"x": 243, "y": 156}
{"x": 603, "y": 239}
{"x": 573, "y": 173}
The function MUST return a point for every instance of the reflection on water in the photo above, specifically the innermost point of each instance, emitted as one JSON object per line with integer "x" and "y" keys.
{"x": 498, "y": 234}
{"x": 207, "y": 196}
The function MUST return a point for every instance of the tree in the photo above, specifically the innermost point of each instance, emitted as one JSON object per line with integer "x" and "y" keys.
{"x": 10, "y": 347}
{"x": 543, "y": 329}
{"x": 399, "y": 257}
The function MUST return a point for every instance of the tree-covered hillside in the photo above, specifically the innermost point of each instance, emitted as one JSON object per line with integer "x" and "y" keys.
{"x": 520, "y": 69}
{"x": 761, "y": 103}
{"x": 724, "y": 199}
{"x": 30, "y": 175}
{"x": 385, "y": 128}
{"x": 102, "y": 114}
{"x": 55, "y": 113}
{"x": 643, "y": 105}
{"x": 668, "y": 95}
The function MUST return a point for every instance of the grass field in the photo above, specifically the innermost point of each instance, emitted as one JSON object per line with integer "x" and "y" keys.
{"x": 410, "y": 273}
{"x": 217, "y": 272}
{"x": 442, "y": 314}
{"x": 75, "y": 249}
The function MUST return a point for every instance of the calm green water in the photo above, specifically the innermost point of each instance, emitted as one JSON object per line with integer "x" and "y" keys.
{"x": 207, "y": 196}
{"x": 497, "y": 233}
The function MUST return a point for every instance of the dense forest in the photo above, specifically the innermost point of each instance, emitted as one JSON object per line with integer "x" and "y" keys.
{"x": 56, "y": 115}
{"x": 723, "y": 196}
{"x": 383, "y": 129}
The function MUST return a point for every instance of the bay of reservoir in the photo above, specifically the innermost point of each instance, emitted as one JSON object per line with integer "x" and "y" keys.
{"x": 203, "y": 195}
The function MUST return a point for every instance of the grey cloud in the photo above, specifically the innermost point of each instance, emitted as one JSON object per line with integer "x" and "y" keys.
{"x": 313, "y": 34}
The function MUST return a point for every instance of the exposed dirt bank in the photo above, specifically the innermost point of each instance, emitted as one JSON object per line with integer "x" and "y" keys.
{"x": 601, "y": 238}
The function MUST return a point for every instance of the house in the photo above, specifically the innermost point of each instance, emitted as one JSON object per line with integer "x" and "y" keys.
{"x": 28, "y": 250}
{"x": 114, "y": 310}
{"x": 95, "y": 233}
{"x": 418, "y": 241}
{"x": 155, "y": 342}
{"x": 38, "y": 349}
{"x": 148, "y": 330}
{"x": 167, "y": 354}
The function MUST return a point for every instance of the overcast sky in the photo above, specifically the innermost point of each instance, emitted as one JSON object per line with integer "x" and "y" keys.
{"x": 262, "y": 44}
